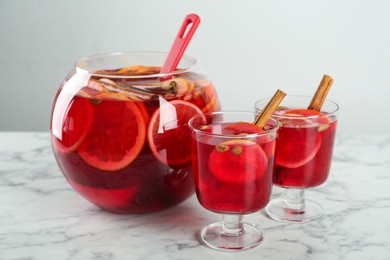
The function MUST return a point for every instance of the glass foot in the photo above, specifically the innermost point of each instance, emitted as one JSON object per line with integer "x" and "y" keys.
{"x": 215, "y": 237}
{"x": 277, "y": 210}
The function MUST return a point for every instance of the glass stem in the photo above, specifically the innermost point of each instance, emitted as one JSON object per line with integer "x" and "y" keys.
{"x": 294, "y": 201}
{"x": 232, "y": 224}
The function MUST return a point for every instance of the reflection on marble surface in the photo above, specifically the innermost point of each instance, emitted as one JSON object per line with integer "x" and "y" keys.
{"x": 41, "y": 217}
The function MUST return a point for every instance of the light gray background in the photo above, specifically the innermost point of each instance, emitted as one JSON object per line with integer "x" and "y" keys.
{"x": 249, "y": 48}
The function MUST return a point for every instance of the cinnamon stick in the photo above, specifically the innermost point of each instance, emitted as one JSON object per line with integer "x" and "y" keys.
{"x": 269, "y": 109}
{"x": 321, "y": 93}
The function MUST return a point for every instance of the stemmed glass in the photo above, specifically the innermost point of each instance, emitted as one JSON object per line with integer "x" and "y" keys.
{"x": 233, "y": 175}
{"x": 303, "y": 155}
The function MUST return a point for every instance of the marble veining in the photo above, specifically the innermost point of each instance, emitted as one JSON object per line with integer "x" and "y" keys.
{"x": 41, "y": 217}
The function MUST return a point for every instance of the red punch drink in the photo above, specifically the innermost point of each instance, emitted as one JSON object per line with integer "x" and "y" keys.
{"x": 235, "y": 175}
{"x": 232, "y": 170}
{"x": 108, "y": 136}
{"x": 304, "y": 147}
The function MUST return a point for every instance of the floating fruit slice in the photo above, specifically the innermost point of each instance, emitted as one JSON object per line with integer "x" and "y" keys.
{"x": 180, "y": 86}
{"x": 302, "y": 112}
{"x": 315, "y": 118}
{"x": 122, "y": 95}
{"x": 244, "y": 128}
{"x": 298, "y": 140}
{"x": 148, "y": 70}
{"x": 248, "y": 128}
{"x": 117, "y": 135}
{"x": 216, "y": 105}
{"x": 129, "y": 70}
{"x": 172, "y": 145}
{"x": 205, "y": 96}
{"x": 298, "y": 149}
{"x": 209, "y": 97}
{"x": 238, "y": 161}
{"x": 188, "y": 95}
{"x": 106, "y": 72}
{"x": 304, "y": 118}
{"x": 112, "y": 96}
{"x": 77, "y": 118}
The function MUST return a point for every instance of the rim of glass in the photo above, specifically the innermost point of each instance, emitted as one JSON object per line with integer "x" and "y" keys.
{"x": 328, "y": 114}
{"x": 79, "y": 68}
{"x": 265, "y": 132}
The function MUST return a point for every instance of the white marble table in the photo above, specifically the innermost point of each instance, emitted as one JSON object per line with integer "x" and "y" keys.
{"x": 41, "y": 217}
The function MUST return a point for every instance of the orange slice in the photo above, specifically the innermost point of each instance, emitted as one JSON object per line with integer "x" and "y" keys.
{"x": 181, "y": 84}
{"x": 302, "y": 112}
{"x": 76, "y": 123}
{"x": 237, "y": 161}
{"x": 173, "y": 145}
{"x": 188, "y": 95}
{"x": 124, "y": 96}
{"x": 209, "y": 104}
{"x": 112, "y": 96}
{"x": 216, "y": 105}
{"x": 131, "y": 69}
{"x": 206, "y": 97}
{"x": 298, "y": 139}
{"x": 313, "y": 118}
{"x": 244, "y": 127}
{"x": 149, "y": 70}
{"x": 117, "y": 135}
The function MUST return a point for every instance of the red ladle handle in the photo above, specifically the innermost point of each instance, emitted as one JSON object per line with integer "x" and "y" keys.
{"x": 181, "y": 42}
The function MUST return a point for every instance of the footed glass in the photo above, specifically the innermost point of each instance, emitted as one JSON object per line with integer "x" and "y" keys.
{"x": 303, "y": 156}
{"x": 233, "y": 175}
